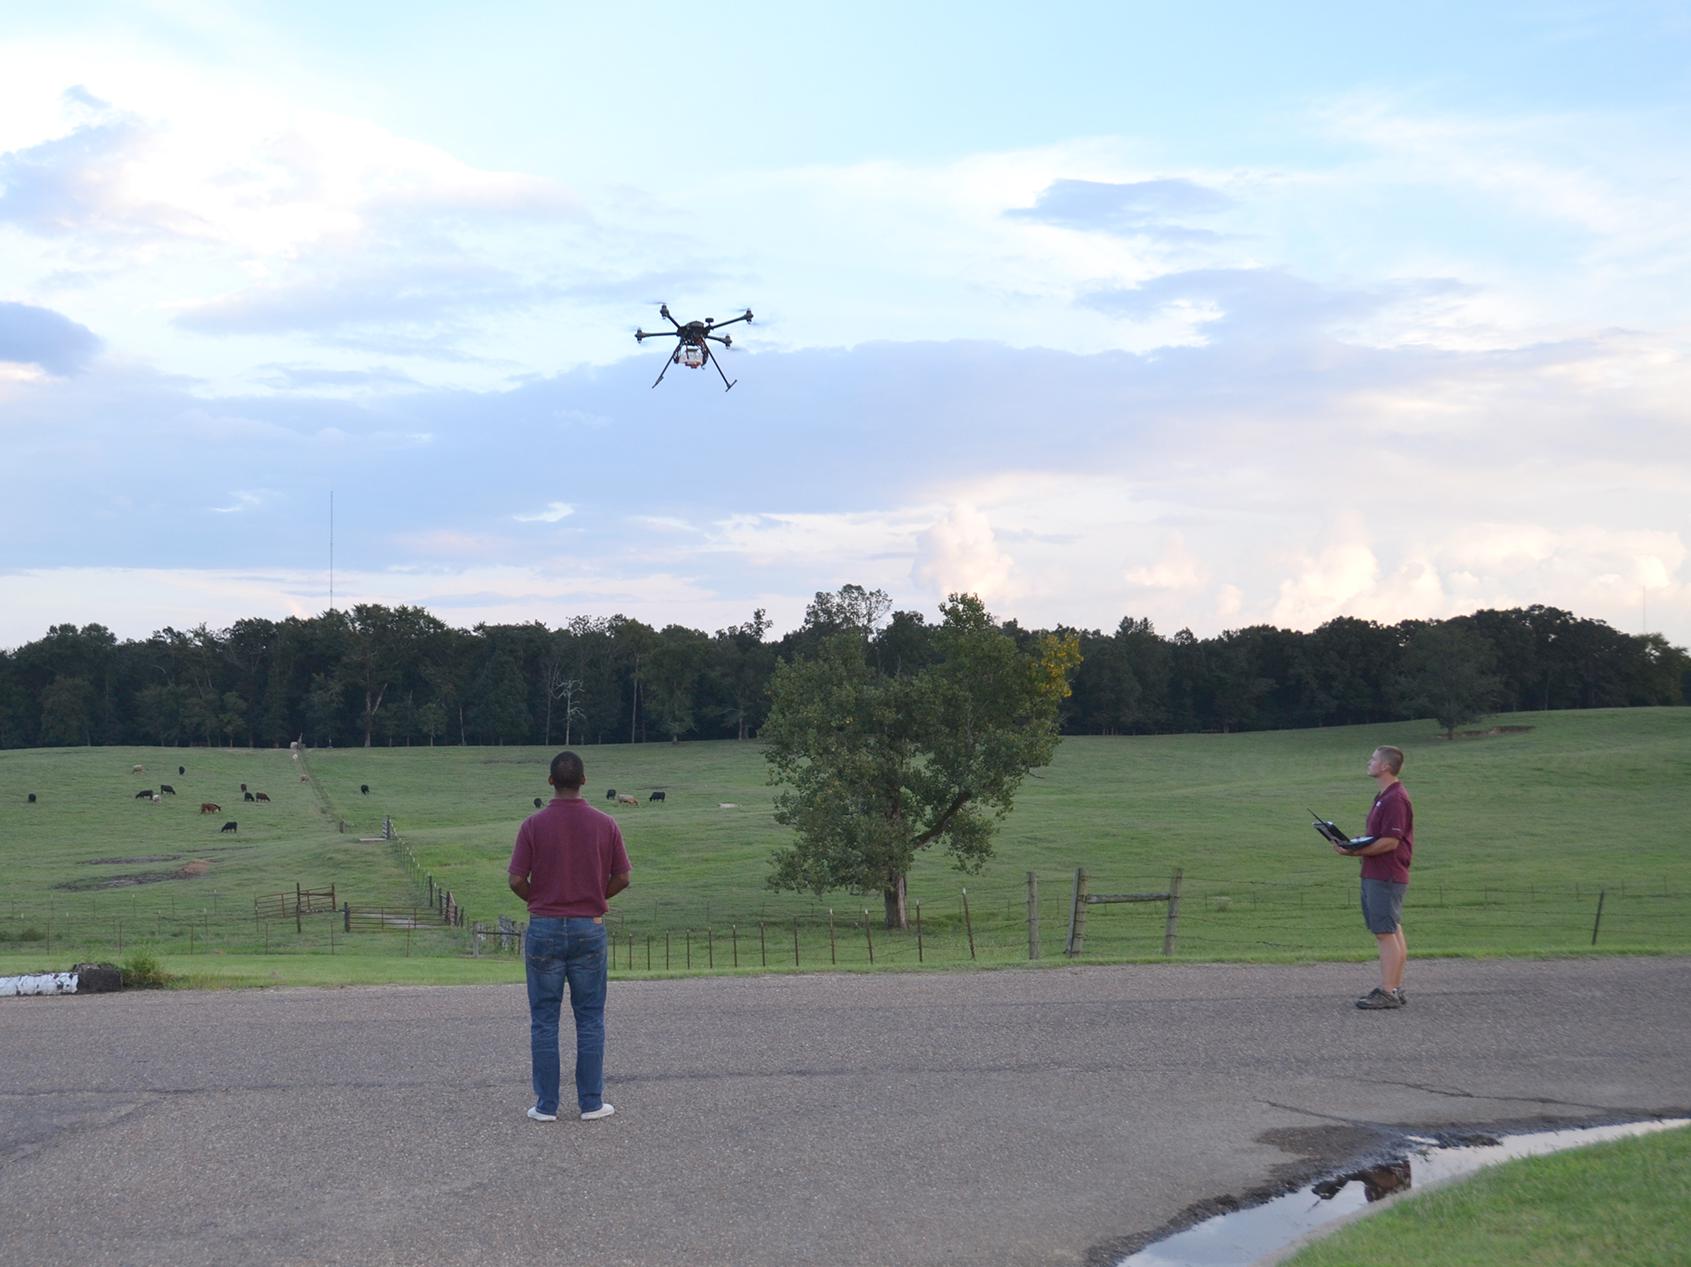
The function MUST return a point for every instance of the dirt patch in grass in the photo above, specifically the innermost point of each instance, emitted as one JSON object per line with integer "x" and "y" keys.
{"x": 1492, "y": 733}
{"x": 188, "y": 871}
{"x": 146, "y": 857}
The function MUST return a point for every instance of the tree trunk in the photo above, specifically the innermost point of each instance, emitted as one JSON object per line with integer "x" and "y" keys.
{"x": 893, "y": 895}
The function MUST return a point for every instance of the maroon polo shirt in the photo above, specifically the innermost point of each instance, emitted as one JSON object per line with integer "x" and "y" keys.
{"x": 1392, "y": 815}
{"x": 569, "y": 851}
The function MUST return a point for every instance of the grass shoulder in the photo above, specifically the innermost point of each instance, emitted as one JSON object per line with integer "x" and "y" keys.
{"x": 1622, "y": 1204}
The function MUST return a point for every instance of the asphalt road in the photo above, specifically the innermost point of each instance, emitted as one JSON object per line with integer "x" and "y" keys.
{"x": 1014, "y": 1117}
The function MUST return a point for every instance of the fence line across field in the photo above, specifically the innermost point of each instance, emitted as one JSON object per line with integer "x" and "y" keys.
{"x": 994, "y": 922}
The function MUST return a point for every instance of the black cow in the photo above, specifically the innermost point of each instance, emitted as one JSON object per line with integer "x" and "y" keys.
{"x": 229, "y": 826}
{"x": 363, "y": 789}
{"x": 536, "y": 801}
{"x": 181, "y": 770}
{"x": 247, "y": 795}
{"x": 165, "y": 787}
{"x": 611, "y": 794}
{"x": 145, "y": 794}
{"x": 32, "y": 798}
{"x": 655, "y": 796}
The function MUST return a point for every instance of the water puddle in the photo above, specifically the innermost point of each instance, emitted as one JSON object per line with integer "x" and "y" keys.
{"x": 1243, "y": 1236}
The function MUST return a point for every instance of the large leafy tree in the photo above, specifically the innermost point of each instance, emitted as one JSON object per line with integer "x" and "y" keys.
{"x": 1447, "y": 675}
{"x": 874, "y": 768}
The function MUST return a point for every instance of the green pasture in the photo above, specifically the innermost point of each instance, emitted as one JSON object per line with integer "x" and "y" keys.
{"x": 1621, "y": 1204}
{"x": 1520, "y": 834}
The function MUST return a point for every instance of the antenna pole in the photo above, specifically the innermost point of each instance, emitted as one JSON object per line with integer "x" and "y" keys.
{"x": 331, "y": 549}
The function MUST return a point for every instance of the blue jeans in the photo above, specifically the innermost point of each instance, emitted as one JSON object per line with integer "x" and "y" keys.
{"x": 558, "y": 950}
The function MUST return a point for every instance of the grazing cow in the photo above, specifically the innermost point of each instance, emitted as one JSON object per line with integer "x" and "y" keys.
{"x": 261, "y": 796}
{"x": 137, "y": 769}
{"x": 210, "y": 807}
{"x": 181, "y": 770}
{"x": 166, "y": 788}
{"x": 655, "y": 796}
{"x": 610, "y": 794}
{"x": 32, "y": 799}
{"x": 628, "y": 800}
{"x": 145, "y": 794}
{"x": 157, "y": 798}
{"x": 536, "y": 800}
{"x": 305, "y": 778}
{"x": 229, "y": 826}
{"x": 363, "y": 789}
{"x": 247, "y": 795}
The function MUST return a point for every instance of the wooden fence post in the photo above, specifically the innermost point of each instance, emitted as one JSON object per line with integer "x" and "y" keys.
{"x": 297, "y": 927}
{"x": 1601, "y": 894}
{"x": 734, "y": 942}
{"x": 1033, "y": 915}
{"x": 795, "y": 941}
{"x": 762, "y": 944}
{"x": 710, "y": 948}
{"x": 919, "y": 958}
{"x": 968, "y": 924}
{"x": 833, "y": 955}
{"x": 868, "y": 936}
{"x": 1173, "y": 923}
{"x": 1077, "y": 915}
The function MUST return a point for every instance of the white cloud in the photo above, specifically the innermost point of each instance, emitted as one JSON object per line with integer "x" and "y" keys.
{"x": 959, "y": 555}
{"x": 242, "y": 500}
{"x": 555, "y": 512}
{"x": 1176, "y": 568}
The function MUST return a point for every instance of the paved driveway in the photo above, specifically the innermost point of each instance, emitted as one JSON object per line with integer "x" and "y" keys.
{"x": 1015, "y": 1117}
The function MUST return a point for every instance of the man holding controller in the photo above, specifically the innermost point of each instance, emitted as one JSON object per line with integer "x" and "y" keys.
{"x": 1385, "y": 848}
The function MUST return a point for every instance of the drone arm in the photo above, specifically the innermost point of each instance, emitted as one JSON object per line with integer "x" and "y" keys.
{"x": 745, "y": 316}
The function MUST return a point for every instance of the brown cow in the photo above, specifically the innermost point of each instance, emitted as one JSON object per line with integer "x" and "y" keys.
{"x": 261, "y": 796}
{"x": 206, "y": 807}
{"x": 628, "y": 800}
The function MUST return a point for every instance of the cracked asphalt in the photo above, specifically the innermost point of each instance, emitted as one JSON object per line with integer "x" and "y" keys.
{"x": 1015, "y": 1117}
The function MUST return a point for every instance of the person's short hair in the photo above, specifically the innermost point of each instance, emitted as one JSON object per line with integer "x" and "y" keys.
{"x": 1393, "y": 757}
{"x": 567, "y": 771}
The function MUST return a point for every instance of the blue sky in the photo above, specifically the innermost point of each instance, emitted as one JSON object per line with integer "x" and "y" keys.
{"x": 1227, "y": 315}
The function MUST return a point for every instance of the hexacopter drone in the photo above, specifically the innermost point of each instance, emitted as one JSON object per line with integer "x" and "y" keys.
{"x": 692, "y": 348}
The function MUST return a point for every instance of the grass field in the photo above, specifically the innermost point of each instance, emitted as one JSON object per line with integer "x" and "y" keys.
{"x": 1518, "y": 833}
{"x": 1621, "y": 1204}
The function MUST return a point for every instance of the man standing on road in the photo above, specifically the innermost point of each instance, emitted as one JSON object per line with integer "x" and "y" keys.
{"x": 1385, "y": 874}
{"x": 568, "y": 862}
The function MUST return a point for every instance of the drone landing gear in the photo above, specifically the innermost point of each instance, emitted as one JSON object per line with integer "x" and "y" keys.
{"x": 726, "y": 385}
{"x": 676, "y": 358}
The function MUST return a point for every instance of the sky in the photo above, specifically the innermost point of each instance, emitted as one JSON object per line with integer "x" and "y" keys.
{"x": 1216, "y": 315}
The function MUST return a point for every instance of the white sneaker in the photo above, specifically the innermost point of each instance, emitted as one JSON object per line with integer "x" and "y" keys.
{"x": 538, "y": 1116}
{"x": 593, "y": 1115}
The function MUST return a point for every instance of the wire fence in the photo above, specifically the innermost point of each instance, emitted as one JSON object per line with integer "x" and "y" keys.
{"x": 982, "y": 923}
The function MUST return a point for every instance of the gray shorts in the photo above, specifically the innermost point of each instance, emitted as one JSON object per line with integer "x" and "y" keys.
{"x": 1382, "y": 905}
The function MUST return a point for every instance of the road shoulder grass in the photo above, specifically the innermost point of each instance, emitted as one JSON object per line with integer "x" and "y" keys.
{"x": 1620, "y": 1204}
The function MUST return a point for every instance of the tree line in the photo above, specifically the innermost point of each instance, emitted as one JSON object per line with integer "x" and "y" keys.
{"x": 376, "y": 675}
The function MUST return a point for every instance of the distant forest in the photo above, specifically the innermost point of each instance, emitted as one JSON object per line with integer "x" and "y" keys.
{"x": 398, "y": 675}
